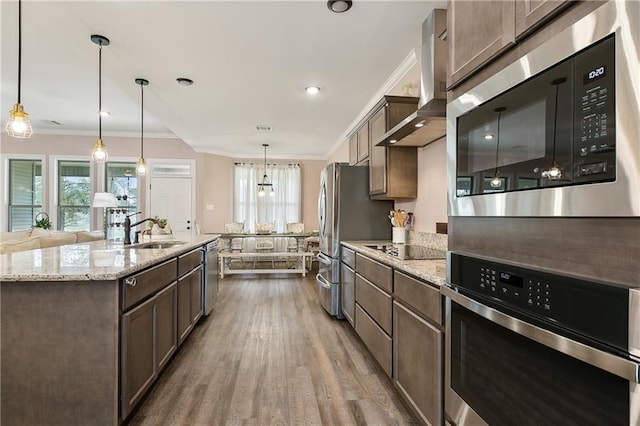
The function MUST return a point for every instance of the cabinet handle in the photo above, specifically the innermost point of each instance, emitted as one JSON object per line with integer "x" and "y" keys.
{"x": 131, "y": 281}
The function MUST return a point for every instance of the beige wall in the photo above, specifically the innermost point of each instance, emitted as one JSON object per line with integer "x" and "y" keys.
{"x": 431, "y": 205}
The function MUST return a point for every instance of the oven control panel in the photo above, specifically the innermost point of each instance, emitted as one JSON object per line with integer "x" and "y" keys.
{"x": 593, "y": 309}
{"x": 502, "y": 283}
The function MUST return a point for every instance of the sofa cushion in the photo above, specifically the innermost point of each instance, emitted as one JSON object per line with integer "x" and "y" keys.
{"x": 39, "y": 232}
{"x": 12, "y": 246}
{"x": 15, "y": 235}
{"x": 58, "y": 238}
{"x": 86, "y": 236}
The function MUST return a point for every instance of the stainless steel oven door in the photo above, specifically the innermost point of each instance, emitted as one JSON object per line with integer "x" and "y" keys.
{"x": 500, "y": 370}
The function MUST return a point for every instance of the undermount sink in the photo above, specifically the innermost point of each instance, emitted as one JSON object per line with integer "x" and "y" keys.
{"x": 159, "y": 245}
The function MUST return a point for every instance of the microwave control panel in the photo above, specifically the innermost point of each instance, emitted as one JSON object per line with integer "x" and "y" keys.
{"x": 594, "y": 130}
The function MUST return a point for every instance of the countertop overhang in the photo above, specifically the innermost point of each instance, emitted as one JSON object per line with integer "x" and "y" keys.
{"x": 77, "y": 262}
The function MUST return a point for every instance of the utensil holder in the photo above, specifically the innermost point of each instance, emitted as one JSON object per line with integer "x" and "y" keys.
{"x": 398, "y": 235}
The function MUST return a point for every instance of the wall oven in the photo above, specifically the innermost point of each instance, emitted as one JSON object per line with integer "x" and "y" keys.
{"x": 555, "y": 133}
{"x": 528, "y": 347}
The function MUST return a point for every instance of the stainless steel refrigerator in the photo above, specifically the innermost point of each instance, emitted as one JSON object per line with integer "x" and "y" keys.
{"x": 345, "y": 212}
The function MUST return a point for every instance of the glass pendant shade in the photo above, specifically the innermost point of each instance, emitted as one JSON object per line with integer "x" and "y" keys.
{"x": 141, "y": 167}
{"x": 18, "y": 125}
{"x": 99, "y": 153}
{"x": 496, "y": 182}
{"x": 554, "y": 172}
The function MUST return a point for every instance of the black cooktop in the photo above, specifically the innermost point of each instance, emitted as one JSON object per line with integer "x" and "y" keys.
{"x": 409, "y": 251}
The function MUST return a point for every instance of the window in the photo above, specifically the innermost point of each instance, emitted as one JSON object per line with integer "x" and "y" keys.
{"x": 74, "y": 195}
{"x": 283, "y": 207}
{"x": 25, "y": 193}
{"x": 122, "y": 182}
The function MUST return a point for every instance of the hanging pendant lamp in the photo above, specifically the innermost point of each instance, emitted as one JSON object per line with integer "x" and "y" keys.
{"x": 555, "y": 172}
{"x": 496, "y": 181}
{"x": 141, "y": 166}
{"x": 265, "y": 184}
{"x": 99, "y": 153}
{"x": 18, "y": 125}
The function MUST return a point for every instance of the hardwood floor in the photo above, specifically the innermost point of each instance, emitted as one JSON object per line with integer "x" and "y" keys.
{"x": 269, "y": 354}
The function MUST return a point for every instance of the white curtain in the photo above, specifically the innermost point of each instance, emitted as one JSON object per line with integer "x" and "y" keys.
{"x": 281, "y": 208}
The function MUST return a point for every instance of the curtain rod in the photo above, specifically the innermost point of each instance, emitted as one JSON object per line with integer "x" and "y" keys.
{"x": 268, "y": 164}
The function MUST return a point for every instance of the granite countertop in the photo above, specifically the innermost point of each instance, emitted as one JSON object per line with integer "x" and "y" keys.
{"x": 103, "y": 260}
{"x": 433, "y": 271}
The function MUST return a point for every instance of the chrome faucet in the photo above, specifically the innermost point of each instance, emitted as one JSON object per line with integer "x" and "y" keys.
{"x": 128, "y": 225}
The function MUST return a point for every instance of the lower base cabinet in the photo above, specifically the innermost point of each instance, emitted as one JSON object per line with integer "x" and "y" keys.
{"x": 417, "y": 363}
{"x": 148, "y": 341}
{"x": 376, "y": 340}
{"x": 189, "y": 302}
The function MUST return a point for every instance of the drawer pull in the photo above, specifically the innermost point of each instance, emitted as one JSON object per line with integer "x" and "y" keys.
{"x": 131, "y": 281}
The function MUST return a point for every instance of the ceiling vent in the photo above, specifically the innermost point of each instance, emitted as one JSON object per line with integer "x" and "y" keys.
{"x": 264, "y": 128}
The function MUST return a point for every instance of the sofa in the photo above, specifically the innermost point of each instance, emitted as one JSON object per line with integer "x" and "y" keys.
{"x": 31, "y": 239}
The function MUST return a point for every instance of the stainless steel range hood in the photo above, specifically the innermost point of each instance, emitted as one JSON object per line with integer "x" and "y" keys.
{"x": 428, "y": 123}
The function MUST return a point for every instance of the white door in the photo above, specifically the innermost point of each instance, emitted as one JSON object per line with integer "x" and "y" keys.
{"x": 170, "y": 198}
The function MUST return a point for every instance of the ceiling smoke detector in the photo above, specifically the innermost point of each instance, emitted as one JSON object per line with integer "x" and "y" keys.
{"x": 339, "y": 6}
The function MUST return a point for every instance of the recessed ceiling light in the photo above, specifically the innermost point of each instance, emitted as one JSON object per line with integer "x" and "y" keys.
{"x": 339, "y": 6}
{"x": 105, "y": 113}
{"x": 488, "y": 136}
{"x": 312, "y": 90}
{"x": 184, "y": 81}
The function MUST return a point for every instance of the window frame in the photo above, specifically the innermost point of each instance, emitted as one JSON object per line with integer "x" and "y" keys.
{"x": 5, "y": 172}
{"x": 55, "y": 190}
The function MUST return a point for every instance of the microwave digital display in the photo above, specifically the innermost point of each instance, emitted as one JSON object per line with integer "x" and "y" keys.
{"x": 595, "y": 74}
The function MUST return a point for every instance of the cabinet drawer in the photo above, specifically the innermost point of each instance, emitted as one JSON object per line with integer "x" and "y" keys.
{"x": 376, "y": 302}
{"x": 376, "y": 340}
{"x": 379, "y": 274}
{"x": 348, "y": 257}
{"x": 139, "y": 286}
{"x": 189, "y": 261}
{"x": 422, "y": 297}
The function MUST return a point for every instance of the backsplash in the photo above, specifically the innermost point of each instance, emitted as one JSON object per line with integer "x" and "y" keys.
{"x": 428, "y": 239}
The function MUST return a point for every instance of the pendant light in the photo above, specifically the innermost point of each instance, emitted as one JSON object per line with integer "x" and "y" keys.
{"x": 496, "y": 182}
{"x": 99, "y": 153}
{"x": 141, "y": 166}
{"x": 262, "y": 186}
{"x": 18, "y": 125}
{"x": 555, "y": 172}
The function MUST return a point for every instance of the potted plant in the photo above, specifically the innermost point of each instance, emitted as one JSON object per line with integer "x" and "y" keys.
{"x": 42, "y": 221}
{"x": 159, "y": 226}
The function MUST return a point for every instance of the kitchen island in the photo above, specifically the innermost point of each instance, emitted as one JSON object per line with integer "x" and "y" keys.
{"x": 86, "y": 328}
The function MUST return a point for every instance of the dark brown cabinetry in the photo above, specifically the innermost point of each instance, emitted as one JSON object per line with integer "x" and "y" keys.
{"x": 189, "y": 292}
{"x": 373, "y": 302}
{"x": 479, "y": 31}
{"x": 148, "y": 330}
{"x": 348, "y": 284}
{"x": 400, "y": 320}
{"x": 359, "y": 145}
{"x": 418, "y": 346}
{"x": 393, "y": 171}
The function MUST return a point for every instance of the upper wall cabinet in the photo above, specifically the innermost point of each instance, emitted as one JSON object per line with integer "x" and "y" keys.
{"x": 359, "y": 145}
{"x": 393, "y": 171}
{"x": 479, "y": 31}
{"x": 532, "y": 13}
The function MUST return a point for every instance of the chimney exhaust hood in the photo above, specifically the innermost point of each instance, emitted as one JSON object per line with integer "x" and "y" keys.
{"x": 428, "y": 123}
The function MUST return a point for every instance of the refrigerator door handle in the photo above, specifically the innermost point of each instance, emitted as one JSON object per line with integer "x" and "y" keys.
{"x": 324, "y": 259}
{"x": 323, "y": 282}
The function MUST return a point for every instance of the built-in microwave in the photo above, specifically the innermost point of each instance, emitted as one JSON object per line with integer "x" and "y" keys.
{"x": 555, "y": 133}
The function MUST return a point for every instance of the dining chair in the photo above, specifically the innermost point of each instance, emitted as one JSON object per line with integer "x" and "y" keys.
{"x": 235, "y": 228}
{"x": 293, "y": 243}
{"x": 264, "y": 244}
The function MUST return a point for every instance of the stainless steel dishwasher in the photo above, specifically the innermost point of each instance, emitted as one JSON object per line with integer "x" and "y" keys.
{"x": 210, "y": 277}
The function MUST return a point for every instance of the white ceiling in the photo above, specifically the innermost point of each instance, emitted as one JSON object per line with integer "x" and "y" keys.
{"x": 250, "y": 61}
